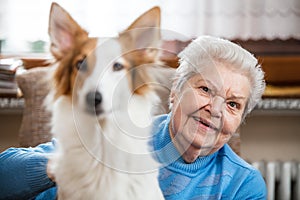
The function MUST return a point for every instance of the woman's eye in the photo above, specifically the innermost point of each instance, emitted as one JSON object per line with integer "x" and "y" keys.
{"x": 204, "y": 88}
{"x": 81, "y": 64}
{"x": 117, "y": 66}
{"x": 233, "y": 104}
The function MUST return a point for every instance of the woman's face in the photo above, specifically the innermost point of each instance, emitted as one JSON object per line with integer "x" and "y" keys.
{"x": 208, "y": 110}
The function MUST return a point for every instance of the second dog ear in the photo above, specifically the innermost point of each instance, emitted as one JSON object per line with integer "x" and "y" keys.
{"x": 144, "y": 31}
{"x": 63, "y": 31}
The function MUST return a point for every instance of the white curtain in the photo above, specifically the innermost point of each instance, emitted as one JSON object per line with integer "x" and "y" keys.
{"x": 25, "y": 21}
{"x": 250, "y": 19}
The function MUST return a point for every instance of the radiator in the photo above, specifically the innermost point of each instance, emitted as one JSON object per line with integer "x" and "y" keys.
{"x": 282, "y": 179}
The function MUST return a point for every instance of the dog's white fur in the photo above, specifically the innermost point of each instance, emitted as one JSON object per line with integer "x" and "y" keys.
{"x": 102, "y": 155}
{"x": 90, "y": 166}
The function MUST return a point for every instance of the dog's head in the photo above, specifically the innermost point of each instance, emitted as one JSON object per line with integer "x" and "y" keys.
{"x": 101, "y": 75}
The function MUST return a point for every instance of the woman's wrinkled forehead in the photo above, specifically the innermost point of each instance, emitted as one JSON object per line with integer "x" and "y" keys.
{"x": 206, "y": 68}
{"x": 208, "y": 75}
{"x": 221, "y": 78}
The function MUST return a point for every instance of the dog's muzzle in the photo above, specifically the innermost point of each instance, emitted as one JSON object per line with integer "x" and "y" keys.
{"x": 93, "y": 102}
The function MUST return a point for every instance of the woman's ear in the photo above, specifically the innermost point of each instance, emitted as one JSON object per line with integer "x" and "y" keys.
{"x": 171, "y": 99}
{"x": 172, "y": 96}
{"x": 173, "y": 92}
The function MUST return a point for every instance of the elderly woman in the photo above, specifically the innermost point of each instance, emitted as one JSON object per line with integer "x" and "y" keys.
{"x": 216, "y": 85}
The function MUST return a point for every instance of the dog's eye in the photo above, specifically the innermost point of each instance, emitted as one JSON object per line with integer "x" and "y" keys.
{"x": 81, "y": 64}
{"x": 117, "y": 66}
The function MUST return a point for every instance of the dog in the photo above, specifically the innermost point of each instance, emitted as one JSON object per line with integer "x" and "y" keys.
{"x": 104, "y": 94}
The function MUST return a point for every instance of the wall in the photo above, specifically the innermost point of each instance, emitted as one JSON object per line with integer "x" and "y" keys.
{"x": 271, "y": 135}
{"x": 9, "y": 127}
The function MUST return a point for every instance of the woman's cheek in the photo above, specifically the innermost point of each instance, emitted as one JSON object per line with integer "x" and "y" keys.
{"x": 190, "y": 102}
{"x": 230, "y": 124}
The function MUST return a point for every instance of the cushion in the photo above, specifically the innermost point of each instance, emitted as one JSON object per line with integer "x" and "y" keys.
{"x": 35, "y": 125}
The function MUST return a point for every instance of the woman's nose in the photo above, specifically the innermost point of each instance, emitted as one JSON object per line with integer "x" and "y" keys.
{"x": 217, "y": 104}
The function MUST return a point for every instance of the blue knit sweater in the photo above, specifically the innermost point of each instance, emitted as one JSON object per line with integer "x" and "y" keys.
{"x": 222, "y": 175}
{"x": 23, "y": 172}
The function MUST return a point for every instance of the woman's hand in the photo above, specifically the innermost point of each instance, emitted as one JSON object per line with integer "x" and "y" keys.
{"x": 50, "y": 171}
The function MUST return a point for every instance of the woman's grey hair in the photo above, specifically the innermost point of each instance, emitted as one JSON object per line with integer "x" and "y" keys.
{"x": 206, "y": 50}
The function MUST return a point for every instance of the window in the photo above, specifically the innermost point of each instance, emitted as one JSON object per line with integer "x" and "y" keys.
{"x": 24, "y": 23}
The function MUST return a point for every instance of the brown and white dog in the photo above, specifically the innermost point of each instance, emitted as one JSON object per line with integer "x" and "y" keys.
{"x": 102, "y": 104}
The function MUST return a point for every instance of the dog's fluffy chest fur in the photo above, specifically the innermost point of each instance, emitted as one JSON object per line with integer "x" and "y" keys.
{"x": 104, "y": 162}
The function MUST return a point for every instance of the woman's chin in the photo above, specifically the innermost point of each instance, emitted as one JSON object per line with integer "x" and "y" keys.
{"x": 191, "y": 154}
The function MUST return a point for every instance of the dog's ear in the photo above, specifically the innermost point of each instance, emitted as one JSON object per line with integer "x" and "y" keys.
{"x": 150, "y": 18}
{"x": 63, "y": 31}
{"x": 144, "y": 31}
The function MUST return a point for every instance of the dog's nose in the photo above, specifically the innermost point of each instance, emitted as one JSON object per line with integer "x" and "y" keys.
{"x": 93, "y": 98}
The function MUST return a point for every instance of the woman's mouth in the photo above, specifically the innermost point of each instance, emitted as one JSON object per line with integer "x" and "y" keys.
{"x": 205, "y": 123}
